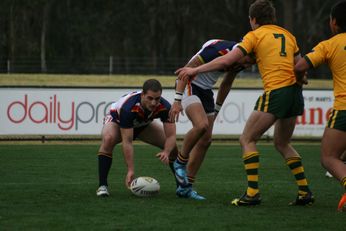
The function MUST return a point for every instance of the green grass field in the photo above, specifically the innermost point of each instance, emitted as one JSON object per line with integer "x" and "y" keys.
{"x": 52, "y": 187}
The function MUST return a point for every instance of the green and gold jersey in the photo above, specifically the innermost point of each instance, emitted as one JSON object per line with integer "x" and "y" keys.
{"x": 275, "y": 49}
{"x": 333, "y": 52}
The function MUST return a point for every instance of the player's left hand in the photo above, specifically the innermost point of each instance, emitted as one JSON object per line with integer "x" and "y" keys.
{"x": 163, "y": 156}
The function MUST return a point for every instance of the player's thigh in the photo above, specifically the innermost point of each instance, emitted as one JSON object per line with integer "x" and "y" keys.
{"x": 334, "y": 137}
{"x": 284, "y": 129}
{"x": 257, "y": 124}
{"x": 110, "y": 135}
{"x": 333, "y": 143}
{"x": 284, "y": 102}
{"x": 153, "y": 134}
{"x": 196, "y": 114}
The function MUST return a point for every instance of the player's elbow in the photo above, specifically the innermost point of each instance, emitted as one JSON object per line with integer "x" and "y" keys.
{"x": 232, "y": 59}
{"x": 201, "y": 127}
{"x": 298, "y": 69}
{"x": 225, "y": 65}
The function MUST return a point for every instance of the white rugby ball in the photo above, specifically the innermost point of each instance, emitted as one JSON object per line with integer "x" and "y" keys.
{"x": 145, "y": 186}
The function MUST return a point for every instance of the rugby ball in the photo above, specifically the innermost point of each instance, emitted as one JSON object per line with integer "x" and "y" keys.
{"x": 145, "y": 186}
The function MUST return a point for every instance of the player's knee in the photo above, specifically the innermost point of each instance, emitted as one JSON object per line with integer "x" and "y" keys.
{"x": 108, "y": 140}
{"x": 202, "y": 127}
{"x": 327, "y": 161}
{"x": 243, "y": 140}
{"x": 324, "y": 162}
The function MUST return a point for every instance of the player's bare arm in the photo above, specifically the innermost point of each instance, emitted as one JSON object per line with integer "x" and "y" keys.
{"x": 220, "y": 63}
{"x": 300, "y": 68}
{"x": 127, "y": 137}
{"x": 179, "y": 89}
{"x": 177, "y": 108}
{"x": 224, "y": 89}
{"x": 247, "y": 61}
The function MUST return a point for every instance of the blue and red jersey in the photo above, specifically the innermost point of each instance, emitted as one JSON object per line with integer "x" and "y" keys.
{"x": 210, "y": 51}
{"x": 128, "y": 112}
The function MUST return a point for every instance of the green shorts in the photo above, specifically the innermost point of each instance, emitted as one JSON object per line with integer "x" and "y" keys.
{"x": 337, "y": 120}
{"x": 284, "y": 102}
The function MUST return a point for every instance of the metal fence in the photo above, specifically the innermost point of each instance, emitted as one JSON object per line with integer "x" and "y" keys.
{"x": 100, "y": 65}
{"x": 112, "y": 65}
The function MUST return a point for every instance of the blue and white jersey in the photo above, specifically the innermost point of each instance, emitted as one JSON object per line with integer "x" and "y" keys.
{"x": 128, "y": 112}
{"x": 209, "y": 51}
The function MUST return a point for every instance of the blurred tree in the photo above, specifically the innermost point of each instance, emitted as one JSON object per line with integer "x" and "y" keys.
{"x": 45, "y": 23}
{"x": 77, "y": 36}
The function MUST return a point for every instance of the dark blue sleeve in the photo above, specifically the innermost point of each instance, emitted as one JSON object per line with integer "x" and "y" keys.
{"x": 216, "y": 49}
{"x": 126, "y": 118}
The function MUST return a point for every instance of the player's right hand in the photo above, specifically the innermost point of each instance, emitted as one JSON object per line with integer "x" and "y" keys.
{"x": 129, "y": 178}
{"x": 186, "y": 73}
{"x": 303, "y": 80}
{"x": 175, "y": 110}
{"x": 163, "y": 156}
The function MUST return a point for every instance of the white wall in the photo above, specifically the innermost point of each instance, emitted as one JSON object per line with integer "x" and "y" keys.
{"x": 75, "y": 111}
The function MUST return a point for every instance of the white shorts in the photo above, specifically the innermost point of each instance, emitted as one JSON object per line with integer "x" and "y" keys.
{"x": 191, "y": 99}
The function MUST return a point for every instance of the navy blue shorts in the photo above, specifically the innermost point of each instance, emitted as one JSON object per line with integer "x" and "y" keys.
{"x": 206, "y": 97}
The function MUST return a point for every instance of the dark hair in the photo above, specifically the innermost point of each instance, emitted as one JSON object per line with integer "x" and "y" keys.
{"x": 338, "y": 12}
{"x": 263, "y": 11}
{"x": 153, "y": 85}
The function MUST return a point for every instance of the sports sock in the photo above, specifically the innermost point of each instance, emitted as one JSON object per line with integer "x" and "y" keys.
{"x": 251, "y": 163}
{"x": 181, "y": 159}
{"x": 297, "y": 169}
{"x": 105, "y": 162}
{"x": 343, "y": 182}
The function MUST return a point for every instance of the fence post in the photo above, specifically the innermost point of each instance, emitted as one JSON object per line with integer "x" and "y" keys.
{"x": 110, "y": 64}
{"x": 8, "y": 66}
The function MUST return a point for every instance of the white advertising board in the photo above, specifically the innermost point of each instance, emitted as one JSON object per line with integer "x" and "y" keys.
{"x": 78, "y": 111}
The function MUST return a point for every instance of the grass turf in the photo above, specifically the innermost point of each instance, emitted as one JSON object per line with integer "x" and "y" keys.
{"x": 52, "y": 187}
